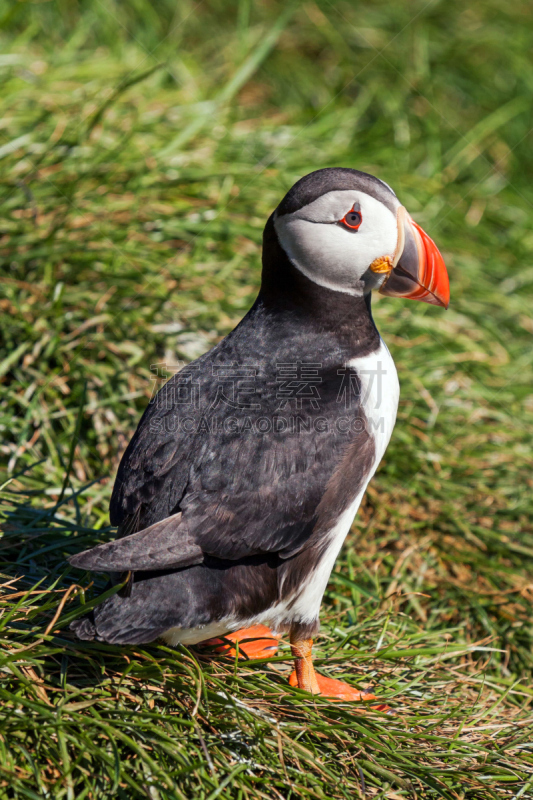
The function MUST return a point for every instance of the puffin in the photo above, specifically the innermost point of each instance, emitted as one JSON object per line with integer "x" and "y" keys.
{"x": 242, "y": 480}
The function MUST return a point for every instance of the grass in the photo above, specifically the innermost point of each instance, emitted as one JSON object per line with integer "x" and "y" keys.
{"x": 143, "y": 146}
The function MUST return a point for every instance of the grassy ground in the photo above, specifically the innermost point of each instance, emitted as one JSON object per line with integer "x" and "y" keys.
{"x": 143, "y": 146}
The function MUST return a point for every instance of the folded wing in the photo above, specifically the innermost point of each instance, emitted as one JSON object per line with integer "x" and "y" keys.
{"x": 161, "y": 546}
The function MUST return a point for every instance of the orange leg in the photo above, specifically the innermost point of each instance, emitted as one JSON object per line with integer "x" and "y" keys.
{"x": 305, "y": 677}
{"x": 255, "y": 642}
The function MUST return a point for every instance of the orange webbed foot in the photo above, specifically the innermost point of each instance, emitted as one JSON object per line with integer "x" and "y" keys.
{"x": 338, "y": 691}
{"x": 255, "y": 642}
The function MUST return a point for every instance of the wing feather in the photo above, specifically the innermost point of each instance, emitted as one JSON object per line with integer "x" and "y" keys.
{"x": 225, "y": 492}
{"x": 161, "y": 546}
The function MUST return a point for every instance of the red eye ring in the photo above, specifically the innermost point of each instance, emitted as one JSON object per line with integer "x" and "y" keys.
{"x": 352, "y": 219}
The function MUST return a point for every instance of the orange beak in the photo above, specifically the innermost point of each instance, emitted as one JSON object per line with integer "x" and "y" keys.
{"x": 419, "y": 272}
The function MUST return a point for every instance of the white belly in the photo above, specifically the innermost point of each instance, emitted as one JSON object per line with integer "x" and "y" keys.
{"x": 380, "y": 393}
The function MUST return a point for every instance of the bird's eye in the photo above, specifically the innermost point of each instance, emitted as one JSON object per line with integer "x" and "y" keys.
{"x": 352, "y": 219}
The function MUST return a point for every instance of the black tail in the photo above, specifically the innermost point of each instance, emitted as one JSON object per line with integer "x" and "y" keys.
{"x": 183, "y": 598}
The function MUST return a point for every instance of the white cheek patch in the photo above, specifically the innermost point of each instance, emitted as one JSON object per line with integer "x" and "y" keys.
{"x": 328, "y": 253}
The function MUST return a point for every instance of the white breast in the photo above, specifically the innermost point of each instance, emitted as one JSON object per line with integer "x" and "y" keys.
{"x": 380, "y": 393}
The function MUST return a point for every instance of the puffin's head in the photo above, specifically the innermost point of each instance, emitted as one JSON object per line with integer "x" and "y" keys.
{"x": 347, "y": 231}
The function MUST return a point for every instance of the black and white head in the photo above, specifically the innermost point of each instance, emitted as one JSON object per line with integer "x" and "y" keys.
{"x": 347, "y": 231}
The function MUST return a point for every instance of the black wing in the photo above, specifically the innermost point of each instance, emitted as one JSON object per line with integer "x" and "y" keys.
{"x": 240, "y": 473}
{"x": 161, "y": 546}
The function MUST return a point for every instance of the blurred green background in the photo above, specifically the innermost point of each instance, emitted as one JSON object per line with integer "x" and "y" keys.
{"x": 142, "y": 147}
